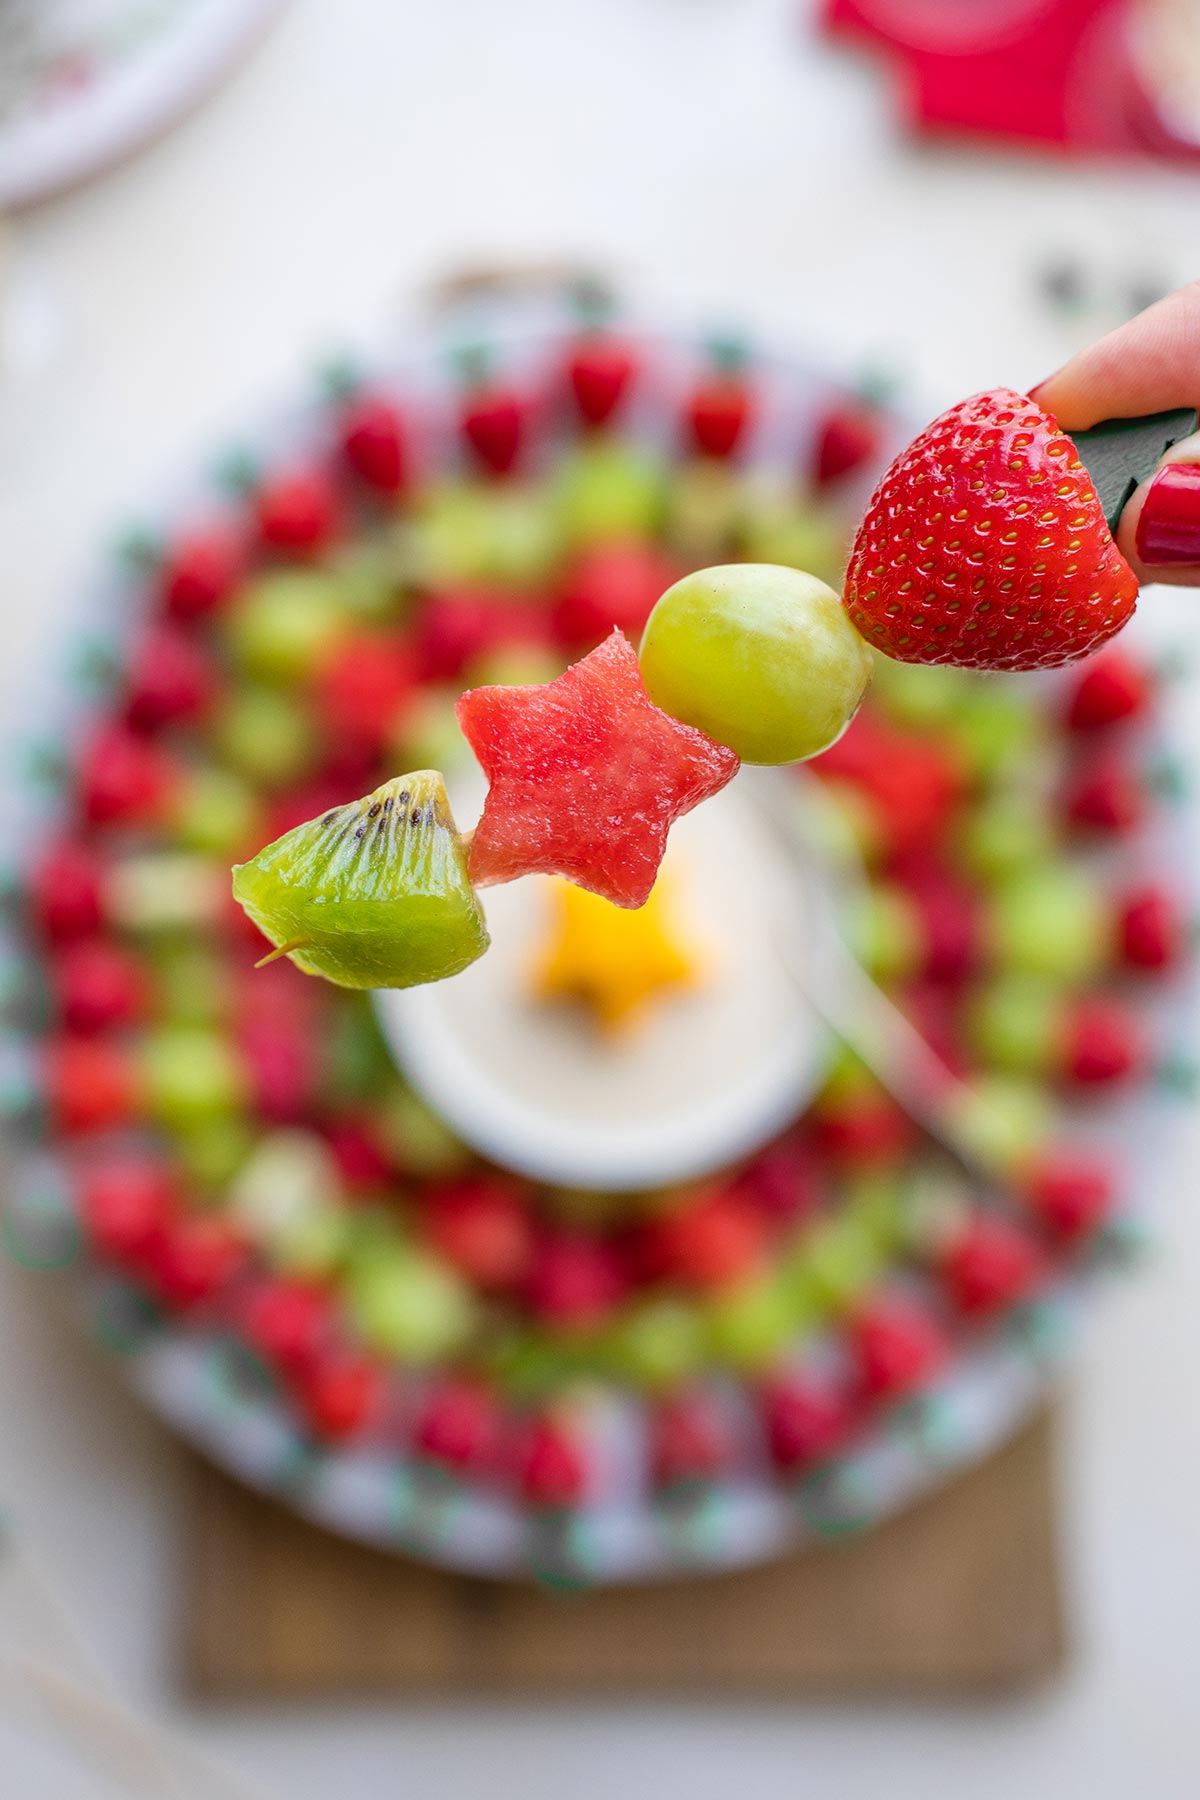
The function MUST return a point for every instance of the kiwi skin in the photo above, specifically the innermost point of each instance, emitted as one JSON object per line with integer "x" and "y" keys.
{"x": 372, "y": 894}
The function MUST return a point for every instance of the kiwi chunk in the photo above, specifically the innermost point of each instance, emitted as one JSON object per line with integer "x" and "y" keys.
{"x": 372, "y": 894}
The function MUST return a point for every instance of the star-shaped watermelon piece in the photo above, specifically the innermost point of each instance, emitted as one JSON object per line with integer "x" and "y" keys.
{"x": 586, "y": 776}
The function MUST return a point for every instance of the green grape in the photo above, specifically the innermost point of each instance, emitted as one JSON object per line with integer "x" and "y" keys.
{"x": 191, "y": 1075}
{"x": 212, "y": 1152}
{"x": 918, "y": 695}
{"x": 1002, "y": 1121}
{"x": 609, "y": 491}
{"x": 762, "y": 658}
{"x": 313, "y": 1246}
{"x": 283, "y": 624}
{"x": 215, "y": 812}
{"x": 421, "y": 1143}
{"x": 705, "y": 507}
{"x": 751, "y": 1325}
{"x": 1009, "y": 831}
{"x": 1012, "y": 1023}
{"x": 777, "y": 529}
{"x": 998, "y": 730}
{"x": 167, "y": 891}
{"x": 264, "y": 735}
{"x": 191, "y": 983}
{"x": 411, "y": 1305}
{"x": 659, "y": 1342}
{"x": 842, "y": 1259}
{"x": 501, "y": 532}
{"x": 1052, "y": 920}
{"x": 288, "y": 1178}
{"x": 882, "y": 928}
{"x": 369, "y": 576}
{"x": 429, "y": 734}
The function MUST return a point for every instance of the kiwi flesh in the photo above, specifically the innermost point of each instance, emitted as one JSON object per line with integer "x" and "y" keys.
{"x": 373, "y": 894}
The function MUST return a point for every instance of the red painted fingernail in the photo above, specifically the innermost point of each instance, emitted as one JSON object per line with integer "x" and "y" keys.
{"x": 1168, "y": 529}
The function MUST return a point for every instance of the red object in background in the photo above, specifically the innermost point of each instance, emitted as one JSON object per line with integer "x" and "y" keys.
{"x": 552, "y": 1466}
{"x": 363, "y": 685}
{"x": 614, "y": 585}
{"x": 897, "y": 1346}
{"x": 992, "y": 1265}
{"x": 493, "y": 421}
{"x": 1152, "y": 931}
{"x": 374, "y": 443}
{"x": 483, "y": 1227}
{"x": 1072, "y": 1191}
{"x": 90, "y": 1084}
{"x": 125, "y": 1201}
{"x": 459, "y": 1425}
{"x": 98, "y": 984}
{"x": 600, "y": 370}
{"x": 201, "y": 571}
{"x": 806, "y": 1419}
{"x": 66, "y": 892}
{"x": 298, "y": 514}
{"x": 170, "y": 678}
{"x": 689, "y": 1440}
{"x": 1055, "y": 72}
{"x": 1110, "y": 688}
{"x": 341, "y": 1394}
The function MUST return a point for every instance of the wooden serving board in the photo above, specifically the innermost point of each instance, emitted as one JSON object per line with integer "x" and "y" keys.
{"x": 958, "y": 1594}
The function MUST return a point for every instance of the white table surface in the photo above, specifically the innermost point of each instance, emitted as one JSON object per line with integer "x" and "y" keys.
{"x": 724, "y": 168}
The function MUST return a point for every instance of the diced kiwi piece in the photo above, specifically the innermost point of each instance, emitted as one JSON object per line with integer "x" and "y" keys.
{"x": 373, "y": 894}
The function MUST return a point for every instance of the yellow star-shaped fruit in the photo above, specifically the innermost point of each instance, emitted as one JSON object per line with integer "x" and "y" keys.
{"x": 614, "y": 961}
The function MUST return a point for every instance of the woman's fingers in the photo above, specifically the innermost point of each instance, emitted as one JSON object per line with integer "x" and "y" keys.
{"x": 1149, "y": 365}
{"x": 1159, "y": 530}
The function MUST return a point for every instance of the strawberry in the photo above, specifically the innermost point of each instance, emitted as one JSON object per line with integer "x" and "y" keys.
{"x": 1102, "y": 1041}
{"x": 298, "y": 512}
{"x": 340, "y": 1394}
{"x": 483, "y": 1228}
{"x": 287, "y": 1321}
{"x": 1072, "y": 1191}
{"x": 494, "y": 420}
{"x": 363, "y": 685}
{"x": 689, "y": 1441}
{"x": 1151, "y": 932}
{"x": 362, "y": 1162}
{"x": 194, "y": 1258}
{"x": 991, "y": 1265}
{"x": 125, "y": 1202}
{"x": 123, "y": 779}
{"x": 575, "y": 1281}
{"x": 97, "y": 985}
{"x": 373, "y": 442}
{"x": 847, "y": 439}
{"x": 171, "y": 678}
{"x": 552, "y": 1468}
{"x": 600, "y": 370}
{"x": 459, "y": 1425}
{"x": 90, "y": 1084}
{"x": 720, "y": 411}
{"x": 1113, "y": 687}
{"x": 66, "y": 892}
{"x": 457, "y": 627}
{"x": 709, "y": 1243}
{"x": 806, "y": 1418}
{"x": 897, "y": 1346}
{"x": 201, "y": 571}
{"x": 1107, "y": 795}
{"x": 613, "y": 585}
{"x": 985, "y": 545}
